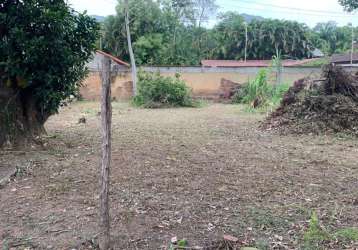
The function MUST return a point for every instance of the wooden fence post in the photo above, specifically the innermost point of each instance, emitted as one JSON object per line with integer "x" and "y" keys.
{"x": 106, "y": 118}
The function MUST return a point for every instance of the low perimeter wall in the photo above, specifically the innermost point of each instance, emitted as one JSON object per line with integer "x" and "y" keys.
{"x": 205, "y": 82}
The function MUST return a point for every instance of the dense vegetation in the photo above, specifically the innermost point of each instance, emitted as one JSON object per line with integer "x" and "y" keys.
{"x": 260, "y": 93}
{"x": 156, "y": 91}
{"x": 172, "y": 32}
{"x": 331, "y": 38}
{"x": 43, "y": 50}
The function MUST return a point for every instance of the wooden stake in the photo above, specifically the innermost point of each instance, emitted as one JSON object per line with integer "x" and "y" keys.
{"x": 106, "y": 117}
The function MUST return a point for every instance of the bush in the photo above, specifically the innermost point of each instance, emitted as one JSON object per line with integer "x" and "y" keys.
{"x": 156, "y": 91}
{"x": 260, "y": 93}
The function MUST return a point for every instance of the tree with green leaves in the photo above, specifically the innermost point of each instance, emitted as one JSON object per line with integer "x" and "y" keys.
{"x": 172, "y": 32}
{"x": 266, "y": 38}
{"x": 349, "y": 5}
{"x": 163, "y": 32}
{"x": 145, "y": 20}
{"x": 330, "y": 38}
{"x": 43, "y": 51}
{"x": 230, "y": 36}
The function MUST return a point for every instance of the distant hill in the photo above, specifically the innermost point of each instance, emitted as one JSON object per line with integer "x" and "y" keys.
{"x": 249, "y": 18}
{"x": 98, "y": 18}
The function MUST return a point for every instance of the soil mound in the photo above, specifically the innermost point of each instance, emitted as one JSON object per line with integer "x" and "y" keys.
{"x": 319, "y": 106}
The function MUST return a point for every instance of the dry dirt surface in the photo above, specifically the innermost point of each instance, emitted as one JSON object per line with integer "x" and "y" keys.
{"x": 196, "y": 174}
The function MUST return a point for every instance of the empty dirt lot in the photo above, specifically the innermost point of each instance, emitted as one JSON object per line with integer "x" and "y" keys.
{"x": 192, "y": 173}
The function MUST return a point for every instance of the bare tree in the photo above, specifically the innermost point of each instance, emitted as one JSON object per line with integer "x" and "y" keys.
{"x": 106, "y": 117}
{"x": 203, "y": 10}
{"x": 130, "y": 49}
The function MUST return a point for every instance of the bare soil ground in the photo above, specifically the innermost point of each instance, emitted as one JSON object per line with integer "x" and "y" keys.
{"x": 192, "y": 173}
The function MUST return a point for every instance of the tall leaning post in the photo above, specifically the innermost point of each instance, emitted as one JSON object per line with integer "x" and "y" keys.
{"x": 106, "y": 121}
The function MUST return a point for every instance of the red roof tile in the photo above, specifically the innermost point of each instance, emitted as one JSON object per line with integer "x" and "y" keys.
{"x": 342, "y": 58}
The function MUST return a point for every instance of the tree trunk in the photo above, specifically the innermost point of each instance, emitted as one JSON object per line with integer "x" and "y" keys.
{"x": 20, "y": 119}
{"x": 106, "y": 117}
{"x": 131, "y": 54}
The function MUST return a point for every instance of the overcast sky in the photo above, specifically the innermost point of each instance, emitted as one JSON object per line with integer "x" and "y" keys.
{"x": 307, "y": 11}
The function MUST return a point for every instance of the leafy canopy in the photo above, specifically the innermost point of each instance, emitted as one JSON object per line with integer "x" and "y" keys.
{"x": 349, "y": 5}
{"x": 173, "y": 32}
{"x": 44, "y": 46}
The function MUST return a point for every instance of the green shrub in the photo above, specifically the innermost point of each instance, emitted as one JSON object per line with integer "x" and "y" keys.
{"x": 156, "y": 91}
{"x": 260, "y": 91}
{"x": 278, "y": 91}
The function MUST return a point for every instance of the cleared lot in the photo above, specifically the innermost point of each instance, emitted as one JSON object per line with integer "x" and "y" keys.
{"x": 192, "y": 173}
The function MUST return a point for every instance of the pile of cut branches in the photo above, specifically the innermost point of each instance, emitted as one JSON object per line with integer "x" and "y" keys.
{"x": 323, "y": 106}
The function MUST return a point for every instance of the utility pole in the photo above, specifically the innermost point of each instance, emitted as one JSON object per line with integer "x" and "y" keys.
{"x": 352, "y": 51}
{"x": 245, "y": 41}
{"x": 131, "y": 54}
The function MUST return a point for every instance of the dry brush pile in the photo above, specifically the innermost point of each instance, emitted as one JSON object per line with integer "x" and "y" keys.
{"x": 323, "y": 106}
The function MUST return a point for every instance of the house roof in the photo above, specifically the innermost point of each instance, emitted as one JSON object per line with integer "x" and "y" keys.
{"x": 113, "y": 58}
{"x": 342, "y": 58}
{"x": 251, "y": 63}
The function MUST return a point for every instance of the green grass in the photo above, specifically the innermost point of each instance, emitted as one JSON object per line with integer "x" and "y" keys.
{"x": 319, "y": 62}
{"x": 315, "y": 235}
{"x": 347, "y": 235}
{"x": 263, "y": 218}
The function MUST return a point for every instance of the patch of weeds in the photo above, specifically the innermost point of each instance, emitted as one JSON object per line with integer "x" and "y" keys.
{"x": 180, "y": 244}
{"x": 315, "y": 235}
{"x": 259, "y": 94}
{"x": 265, "y": 219}
{"x": 347, "y": 235}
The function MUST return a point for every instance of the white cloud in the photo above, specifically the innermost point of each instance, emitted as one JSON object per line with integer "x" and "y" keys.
{"x": 95, "y": 7}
